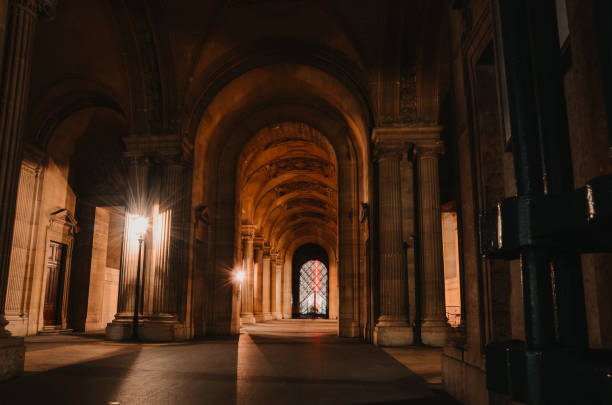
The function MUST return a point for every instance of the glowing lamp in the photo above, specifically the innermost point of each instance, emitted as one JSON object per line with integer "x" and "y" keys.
{"x": 139, "y": 226}
{"x": 239, "y": 276}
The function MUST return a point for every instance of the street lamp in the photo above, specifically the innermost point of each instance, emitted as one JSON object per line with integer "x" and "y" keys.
{"x": 238, "y": 278}
{"x": 138, "y": 227}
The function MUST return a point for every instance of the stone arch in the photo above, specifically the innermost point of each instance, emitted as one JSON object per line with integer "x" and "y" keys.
{"x": 307, "y": 95}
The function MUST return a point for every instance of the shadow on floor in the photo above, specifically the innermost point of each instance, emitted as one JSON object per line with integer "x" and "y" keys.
{"x": 196, "y": 373}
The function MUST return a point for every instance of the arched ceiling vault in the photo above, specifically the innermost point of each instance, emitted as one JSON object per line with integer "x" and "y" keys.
{"x": 287, "y": 182}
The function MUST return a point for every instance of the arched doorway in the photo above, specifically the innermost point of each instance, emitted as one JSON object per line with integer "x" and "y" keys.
{"x": 311, "y": 282}
{"x": 262, "y": 231}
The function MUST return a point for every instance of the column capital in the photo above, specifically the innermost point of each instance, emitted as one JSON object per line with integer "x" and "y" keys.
{"x": 391, "y": 152}
{"x": 273, "y": 254}
{"x": 266, "y": 250}
{"x": 433, "y": 147}
{"x": 247, "y": 232}
{"x": 258, "y": 241}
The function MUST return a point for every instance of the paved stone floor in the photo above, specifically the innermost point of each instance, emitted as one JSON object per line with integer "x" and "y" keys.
{"x": 279, "y": 362}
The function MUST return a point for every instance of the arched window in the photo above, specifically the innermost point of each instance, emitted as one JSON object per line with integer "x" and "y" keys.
{"x": 314, "y": 291}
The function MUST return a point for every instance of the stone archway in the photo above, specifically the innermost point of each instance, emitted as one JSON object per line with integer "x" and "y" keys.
{"x": 314, "y": 99}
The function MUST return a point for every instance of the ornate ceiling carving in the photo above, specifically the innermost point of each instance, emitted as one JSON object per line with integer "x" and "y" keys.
{"x": 288, "y": 178}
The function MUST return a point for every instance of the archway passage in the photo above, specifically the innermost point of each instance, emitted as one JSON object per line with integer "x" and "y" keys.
{"x": 287, "y": 185}
{"x": 311, "y": 282}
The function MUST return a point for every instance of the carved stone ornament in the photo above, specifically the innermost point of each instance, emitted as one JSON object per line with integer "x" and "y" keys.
{"x": 408, "y": 94}
{"x": 43, "y": 8}
{"x": 306, "y": 202}
{"x": 63, "y": 220}
{"x": 301, "y": 164}
{"x": 286, "y": 188}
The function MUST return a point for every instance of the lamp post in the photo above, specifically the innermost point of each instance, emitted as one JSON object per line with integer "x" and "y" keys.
{"x": 139, "y": 227}
{"x": 238, "y": 278}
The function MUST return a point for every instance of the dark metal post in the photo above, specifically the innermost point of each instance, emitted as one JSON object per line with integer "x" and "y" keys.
{"x": 557, "y": 164}
{"x": 137, "y": 292}
{"x": 537, "y": 290}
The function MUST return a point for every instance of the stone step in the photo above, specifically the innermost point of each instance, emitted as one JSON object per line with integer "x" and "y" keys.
{"x": 52, "y": 330}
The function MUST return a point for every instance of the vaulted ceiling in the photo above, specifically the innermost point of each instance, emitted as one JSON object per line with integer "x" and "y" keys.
{"x": 288, "y": 183}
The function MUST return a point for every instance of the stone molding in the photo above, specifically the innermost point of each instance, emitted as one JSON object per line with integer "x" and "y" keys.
{"x": 267, "y": 250}
{"x": 395, "y": 142}
{"x": 165, "y": 149}
{"x": 247, "y": 232}
{"x": 258, "y": 241}
{"x": 403, "y": 136}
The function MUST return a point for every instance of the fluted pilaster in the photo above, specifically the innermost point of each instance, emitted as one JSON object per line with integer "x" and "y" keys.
{"x": 21, "y": 24}
{"x": 169, "y": 224}
{"x": 393, "y": 302}
{"x": 392, "y": 327}
{"x": 433, "y": 311}
{"x": 266, "y": 278}
{"x": 246, "y": 314}
{"x": 258, "y": 279}
{"x": 158, "y": 193}
{"x": 278, "y": 314}
{"x": 138, "y": 176}
{"x": 273, "y": 306}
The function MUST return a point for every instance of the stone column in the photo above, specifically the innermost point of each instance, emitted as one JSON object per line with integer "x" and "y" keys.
{"x": 267, "y": 315}
{"x": 21, "y": 22}
{"x": 278, "y": 287}
{"x": 258, "y": 279}
{"x": 138, "y": 178}
{"x": 434, "y": 326}
{"x": 392, "y": 328}
{"x": 169, "y": 225}
{"x": 273, "y": 307}
{"x": 246, "y": 314}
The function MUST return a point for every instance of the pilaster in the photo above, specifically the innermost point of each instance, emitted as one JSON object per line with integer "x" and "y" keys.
{"x": 247, "y": 293}
{"x": 392, "y": 327}
{"x": 258, "y": 278}
{"x": 266, "y": 282}
{"x": 157, "y": 187}
{"x": 22, "y": 17}
{"x": 278, "y": 314}
{"x": 434, "y": 325}
{"x": 273, "y": 278}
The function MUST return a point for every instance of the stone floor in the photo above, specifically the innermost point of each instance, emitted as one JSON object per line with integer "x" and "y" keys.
{"x": 279, "y": 362}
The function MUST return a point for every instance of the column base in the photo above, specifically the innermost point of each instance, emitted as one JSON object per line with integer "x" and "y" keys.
{"x": 12, "y": 357}
{"x": 277, "y": 315}
{"x": 259, "y": 317}
{"x": 268, "y": 316}
{"x": 247, "y": 318}
{"x": 348, "y": 328}
{"x": 161, "y": 330}
{"x": 394, "y": 335}
{"x": 17, "y": 324}
{"x": 119, "y": 330}
{"x": 149, "y": 330}
{"x": 434, "y": 333}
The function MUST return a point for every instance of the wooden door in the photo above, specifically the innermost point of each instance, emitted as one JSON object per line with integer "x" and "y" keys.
{"x": 55, "y": 284}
